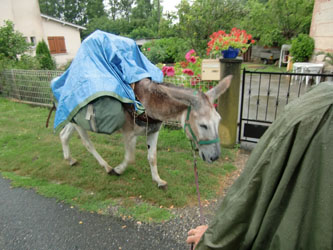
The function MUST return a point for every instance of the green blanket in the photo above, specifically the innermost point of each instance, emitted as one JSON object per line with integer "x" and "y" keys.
{"x": 284, "y": 198}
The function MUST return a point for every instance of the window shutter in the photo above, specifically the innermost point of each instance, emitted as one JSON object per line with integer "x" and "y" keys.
{"x": 61, "y": 44}
{"x": 57, "y": 44}
{"x": 52, "y": 45}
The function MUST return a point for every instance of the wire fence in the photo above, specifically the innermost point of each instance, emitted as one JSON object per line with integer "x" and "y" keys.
{"x": 30, "y": 86}
{"x": 33, "y": 86}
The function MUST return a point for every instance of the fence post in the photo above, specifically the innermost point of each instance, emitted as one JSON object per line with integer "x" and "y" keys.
{"x": 228, "y": 103}
{"x": 14, "y": 87}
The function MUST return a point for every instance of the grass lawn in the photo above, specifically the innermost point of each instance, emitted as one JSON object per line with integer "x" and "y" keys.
{"x": 31, "y": 156}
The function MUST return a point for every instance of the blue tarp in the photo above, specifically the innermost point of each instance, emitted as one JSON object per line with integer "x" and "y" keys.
{"x": 105, "y": 65}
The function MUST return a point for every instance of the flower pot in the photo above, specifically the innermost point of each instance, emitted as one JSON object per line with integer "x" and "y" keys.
{"x": 230, "y": 53}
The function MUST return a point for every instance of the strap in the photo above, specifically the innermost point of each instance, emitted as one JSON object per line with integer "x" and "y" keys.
{"x": 90, "y": 116}
{"x": 49, "y": 116}
{"x": 187, "y": 125}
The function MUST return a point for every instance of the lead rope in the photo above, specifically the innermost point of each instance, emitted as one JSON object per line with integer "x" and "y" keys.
{"x": 202, "y": 219}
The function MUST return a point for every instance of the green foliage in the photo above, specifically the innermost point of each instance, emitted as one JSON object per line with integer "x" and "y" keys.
{"x": 142, "y": 32}
{"x": 166, "y": 50}
{"x": 43, "y": 55}
{"x": 95, "y": 8}
{"x": 12, "y": 43}
{"x": 12, "y": 47}
{"x": 74, "y": 11}
{"x": 117, "y": 27}
{"x": 302, "y": 48}
{"x": 276, "y": 21}
{"x": 27, "y": 62}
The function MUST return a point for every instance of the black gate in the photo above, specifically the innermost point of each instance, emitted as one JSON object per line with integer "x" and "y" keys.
{"x": 264, "y": 95}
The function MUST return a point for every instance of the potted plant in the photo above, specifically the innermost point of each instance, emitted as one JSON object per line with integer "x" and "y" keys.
{"x": 229, "y": 44}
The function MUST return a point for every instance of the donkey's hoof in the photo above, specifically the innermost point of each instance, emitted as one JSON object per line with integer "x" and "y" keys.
{"x": 113, "y": 172}
{"x": 163, "y": 187}
{"x": 72, "y": 162}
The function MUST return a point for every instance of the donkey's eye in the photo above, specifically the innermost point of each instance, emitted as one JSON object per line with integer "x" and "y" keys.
{"x": 203, "y": 126}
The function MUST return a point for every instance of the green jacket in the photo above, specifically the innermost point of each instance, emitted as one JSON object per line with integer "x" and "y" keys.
{"x": 284, "y": 197}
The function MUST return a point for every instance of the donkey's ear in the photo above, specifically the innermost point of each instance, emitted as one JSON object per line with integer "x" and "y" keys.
{"x": 219, "y": 89}
{"x": 189, "y": 98}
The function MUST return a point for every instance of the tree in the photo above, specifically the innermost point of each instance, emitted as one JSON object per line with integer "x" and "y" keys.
{"x": 114, "y": 8}
{"x": 12, "y": 42}
{"x": 43, "y": 55}
{"x": 73, "y": 11}
{"x": 95, "y": 8}
{"x": 51, "y": 8}
{"x": 275, "y": 22}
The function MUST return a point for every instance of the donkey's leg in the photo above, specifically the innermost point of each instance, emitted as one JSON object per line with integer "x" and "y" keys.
{"x": 65, "y": 135}
{"x": 90, "y": 147}
{"x": 130, "y": 142}
{"x": 152, "y": 158}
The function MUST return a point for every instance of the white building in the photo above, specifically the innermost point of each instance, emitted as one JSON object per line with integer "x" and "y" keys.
{"x": 63, "y": 38}
{"x": 322, "y": 27}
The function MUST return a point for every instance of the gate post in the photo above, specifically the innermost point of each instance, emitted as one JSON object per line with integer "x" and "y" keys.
{"x": 228, "y": 103}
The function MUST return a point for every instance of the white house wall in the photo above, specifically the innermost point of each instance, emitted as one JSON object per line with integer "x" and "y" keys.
{"x": 25, "y": 15}
{"x": 71, "y": 35}
{"x": 322, "y": 26}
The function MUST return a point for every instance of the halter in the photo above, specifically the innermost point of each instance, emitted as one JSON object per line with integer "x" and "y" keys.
{"x": 200, "y": 142}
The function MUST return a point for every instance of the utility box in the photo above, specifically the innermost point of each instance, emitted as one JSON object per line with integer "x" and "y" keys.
{"x": 211, "y": 69}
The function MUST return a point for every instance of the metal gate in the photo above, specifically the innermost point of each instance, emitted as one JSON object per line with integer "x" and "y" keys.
{"x": 264, "y": 96}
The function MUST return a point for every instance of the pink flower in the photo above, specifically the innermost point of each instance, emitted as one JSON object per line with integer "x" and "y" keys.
{"x": 192, "y": 59}
{"x": 188, "y": 72}
{"x": 148, "y": 49}
{"x": 168, "y": 70}
{"x": 189, "y": 54}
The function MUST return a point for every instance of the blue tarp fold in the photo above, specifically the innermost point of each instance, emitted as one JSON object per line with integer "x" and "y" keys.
{"x": 105, "y": 65}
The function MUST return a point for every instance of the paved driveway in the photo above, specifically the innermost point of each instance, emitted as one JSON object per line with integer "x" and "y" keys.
{"x": 30, "y": 221}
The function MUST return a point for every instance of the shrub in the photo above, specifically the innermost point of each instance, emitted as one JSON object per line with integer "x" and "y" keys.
{"x": 27, "y": 62}
{"x": 12, "y": 42}
{"x": 165, "y": 50}
{"x": 302, "y": 48}
{"x": 43, "y": 55}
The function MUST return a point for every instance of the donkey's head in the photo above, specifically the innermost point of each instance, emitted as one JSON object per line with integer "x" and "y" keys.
{"x": 201, "y": 121}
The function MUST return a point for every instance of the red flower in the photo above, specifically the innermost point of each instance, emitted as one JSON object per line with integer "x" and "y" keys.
{"x": 188, "y": 72}
{"x": 148, "y": 49}
{"x": 195, "y": 80}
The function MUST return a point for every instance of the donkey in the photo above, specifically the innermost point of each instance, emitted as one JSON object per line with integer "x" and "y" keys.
{"x": 193, "y": 109}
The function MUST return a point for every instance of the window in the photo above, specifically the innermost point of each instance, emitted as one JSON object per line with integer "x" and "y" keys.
{"x": 33, "y": 40}
{"x": 57, "y": 44}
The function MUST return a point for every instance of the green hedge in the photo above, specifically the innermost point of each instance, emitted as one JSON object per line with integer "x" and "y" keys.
{"x": 166, "y": 50}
